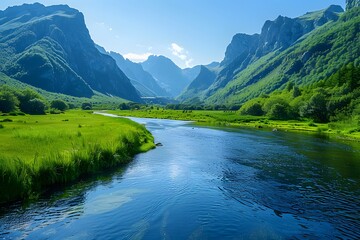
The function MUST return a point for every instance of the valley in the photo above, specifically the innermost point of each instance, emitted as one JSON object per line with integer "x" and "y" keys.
{"x": 98, "y": 142}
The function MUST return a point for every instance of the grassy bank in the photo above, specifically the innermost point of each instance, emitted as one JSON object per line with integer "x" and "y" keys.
{"x": 38, "y": 152}
{"x": 344, "y": 130}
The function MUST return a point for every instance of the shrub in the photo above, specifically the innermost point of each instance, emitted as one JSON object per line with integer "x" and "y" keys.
{"x": 278, "y": 112}
{"x": 59, "y": 105}
{"x": 315, "y": 108}
{"x": 124, "y": 106}
{"x": 86, "y": 106}
{"x": 8, "y": 101}
{"x": 254, "y": 109}
{"x": 31, "y": 102}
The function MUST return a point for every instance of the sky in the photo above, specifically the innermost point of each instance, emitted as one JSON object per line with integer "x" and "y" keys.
{"x": 190, "y": 32}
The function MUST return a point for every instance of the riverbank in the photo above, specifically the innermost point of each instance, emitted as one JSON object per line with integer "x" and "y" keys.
{"x": 39, "y": 152}
{"x": 234, "y": 119}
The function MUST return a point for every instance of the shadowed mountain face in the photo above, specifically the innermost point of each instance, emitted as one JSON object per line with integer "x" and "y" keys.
{"x": 50, "y": 48}
{"x": 202, "y": 82}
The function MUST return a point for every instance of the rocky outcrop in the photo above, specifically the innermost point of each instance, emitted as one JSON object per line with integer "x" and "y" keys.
{"x": 242, "y": 45}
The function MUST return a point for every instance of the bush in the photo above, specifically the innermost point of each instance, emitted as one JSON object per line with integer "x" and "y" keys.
{"x": 254, "y": 109}
{"x": 86, "y": 106}
{"x": 315, "y": 108}
{"x": 279, "y": 112}
{"x": 8, "y": 101}
{"x": 270, "y": 102}
{"x": 59, "y": 105}
{"x": 29, "y": 100}
{"x": 124, "y": 106}
{"x": 36, "y": 106}
{"x": 55, "y": 111}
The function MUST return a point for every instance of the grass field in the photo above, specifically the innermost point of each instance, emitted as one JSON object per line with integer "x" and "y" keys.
{"x": 37, "y": 152}
{"x": 343, "y": 130}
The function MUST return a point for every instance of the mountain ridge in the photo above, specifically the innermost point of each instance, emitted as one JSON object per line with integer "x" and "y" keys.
{"x": 276, "y": 37}
{"x": 51, "y": 48}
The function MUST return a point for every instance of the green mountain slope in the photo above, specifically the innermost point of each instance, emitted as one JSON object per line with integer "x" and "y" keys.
{"x": 275, "y": 36}
{"x": 202, "y": 82}
{"x": 312, "y": 58}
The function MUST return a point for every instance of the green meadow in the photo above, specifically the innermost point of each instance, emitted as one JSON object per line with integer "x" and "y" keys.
{"x": 42, "y": 151}
{"x": 346, "y": 129}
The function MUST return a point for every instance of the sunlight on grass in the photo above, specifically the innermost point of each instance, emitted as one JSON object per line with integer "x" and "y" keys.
{"x": 39, "y": 151}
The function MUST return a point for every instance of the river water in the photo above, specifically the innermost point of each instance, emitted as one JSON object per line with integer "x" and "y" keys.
{"x": 208, "y": 183}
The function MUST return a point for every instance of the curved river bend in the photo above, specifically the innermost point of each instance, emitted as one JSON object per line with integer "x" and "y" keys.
{"x": 208, "y": 184}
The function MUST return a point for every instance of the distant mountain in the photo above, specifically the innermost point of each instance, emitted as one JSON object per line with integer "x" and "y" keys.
{"x": 202, "y": 82}
{"x": 144, "y": 83}
{"x": 167, "y": 73}
{"x": 142, "y": 80}
{"x": 270, "y": 55}
{"x": 50, "y": 48}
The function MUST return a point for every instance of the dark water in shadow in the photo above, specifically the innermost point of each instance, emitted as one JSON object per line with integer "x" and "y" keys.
{"x": 208, "y": 184}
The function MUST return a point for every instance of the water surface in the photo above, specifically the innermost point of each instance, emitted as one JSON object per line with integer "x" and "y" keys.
{"x": 208, "y": 184}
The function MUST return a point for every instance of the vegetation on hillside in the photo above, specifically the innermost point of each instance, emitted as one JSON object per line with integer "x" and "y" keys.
{"x": 335, "y": 99}
{"x": 314, "y": 57}
{"x": 98, "y": 101}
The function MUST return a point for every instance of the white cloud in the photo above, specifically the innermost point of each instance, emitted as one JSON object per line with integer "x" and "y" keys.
{"x": 135, "y": 57}
{"x": 110, "y": 29}
{"x": 176, "y": 48}
{"x": 181, "y": 53}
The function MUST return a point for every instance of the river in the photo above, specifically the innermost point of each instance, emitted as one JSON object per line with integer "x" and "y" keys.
{"x": 207, "y": 183}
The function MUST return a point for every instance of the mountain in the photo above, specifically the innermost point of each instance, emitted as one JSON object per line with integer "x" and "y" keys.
{"x": 313, "y": 57}
{"x": 250, "y": 59}
{"x": 275, "y": 35}
{"x": 167, "y": 73}
{"x": 50, "y": 48}
{"x": 352, "y": 3}
{"x": 202, "y": 82}
{"x": 142, "y": 80}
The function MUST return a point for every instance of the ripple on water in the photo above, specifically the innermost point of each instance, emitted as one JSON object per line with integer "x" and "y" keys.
{"x": 209, "y": 184}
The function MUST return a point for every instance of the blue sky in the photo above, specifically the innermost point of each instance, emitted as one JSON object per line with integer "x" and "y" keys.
{"x": 190, "y": 32}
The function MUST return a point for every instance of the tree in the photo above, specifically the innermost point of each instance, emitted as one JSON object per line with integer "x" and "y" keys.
{"x": 124, "y": 106}
{"x": 86, "y": 106}
{"x": 36, "y": 106}
{"x": 315, "y": 108}
{"x": 278, "y": 112}
{"x": 59, "y": 105}
{"x": 8, "y": 101}
{"x": 252, "y": 108}
{"x": 25, "y": 97}
{"x": 296, "y": 92}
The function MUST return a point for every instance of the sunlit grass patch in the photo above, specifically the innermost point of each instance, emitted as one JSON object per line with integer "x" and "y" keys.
{"x": 40, "y": 151}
